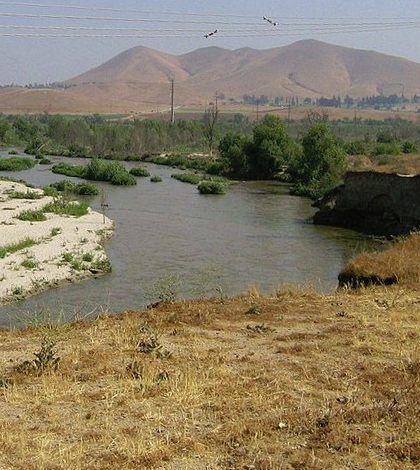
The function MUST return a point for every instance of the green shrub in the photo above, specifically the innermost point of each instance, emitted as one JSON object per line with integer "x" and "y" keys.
{"x": 13, "y": 152}
{"x": 51, "y": 191}
{"x": 191, "y": 178}
{"x": 30, "y": 263}
{"x": 114, "y": 172}
{"x": 32, "y": 215}
{"x": 63, "y": 185}
{"x": 211, "y": 187}
{"x": 139, "y": 172}
{"x": 88, "y": 257}
{"x": 410, "y": 147}
{"x": 24, "y": 195}
{"x": 155, "y": 179}
{"x": 385, "y": 148}
{"x": 69, "y": 170}
{"x": 102, "y": 265}
{"x": 357, "y": 147}
{"x": 45, "y": 161}
{"x": 86, "y": 189}
{"x": 16, "y": 164}
{"x": 20, "y": 245}
{"x": 61, "y": 207}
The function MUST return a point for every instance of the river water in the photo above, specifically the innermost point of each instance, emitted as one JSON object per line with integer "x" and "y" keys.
{"x": 170, "y": 240}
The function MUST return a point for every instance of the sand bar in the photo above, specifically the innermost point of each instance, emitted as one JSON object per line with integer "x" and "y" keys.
{"x": 63, "y": 248}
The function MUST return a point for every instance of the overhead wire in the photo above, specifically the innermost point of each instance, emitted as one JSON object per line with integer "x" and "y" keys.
{"x": 196, "y": 24}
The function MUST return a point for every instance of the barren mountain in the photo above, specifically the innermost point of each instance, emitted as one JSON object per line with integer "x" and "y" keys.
{"x": 139, "y": 77}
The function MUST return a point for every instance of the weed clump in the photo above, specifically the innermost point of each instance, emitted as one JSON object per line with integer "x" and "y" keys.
{"x": 45, "y": 360}
{"x": 114, "y": 172}
{"x": 32, "y": 215}
{"x": 142, "y": 172}
{"x": 211, "y": 187}
{"x": 16, "y": 164}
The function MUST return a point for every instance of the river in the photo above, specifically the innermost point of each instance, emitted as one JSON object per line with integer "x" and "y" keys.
{"x": 172, "y": 241}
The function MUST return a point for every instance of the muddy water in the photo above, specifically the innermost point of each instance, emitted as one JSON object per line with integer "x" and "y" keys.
{"x": 170, "y": 240}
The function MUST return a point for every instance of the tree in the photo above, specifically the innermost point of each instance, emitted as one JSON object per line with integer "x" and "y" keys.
{"x": 320, "y": 165}
{"x": 210, "y": 119}
{"x": 232, "y": 152}
{"x": 270, "y": 148}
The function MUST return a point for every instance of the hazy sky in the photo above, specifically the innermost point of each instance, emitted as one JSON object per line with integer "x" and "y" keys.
{"x": 35, "y": 45}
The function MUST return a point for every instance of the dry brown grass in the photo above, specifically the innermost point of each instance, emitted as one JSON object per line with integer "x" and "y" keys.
{"x": 405, "y": 164}
{"x": 400, "y": 263}
{"x": 296, "y": 380}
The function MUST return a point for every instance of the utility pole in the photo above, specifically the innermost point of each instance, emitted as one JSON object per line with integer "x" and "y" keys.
{"x": 172, "y": 100}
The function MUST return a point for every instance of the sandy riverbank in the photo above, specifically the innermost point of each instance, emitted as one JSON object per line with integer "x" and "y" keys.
{"x": 63, "y": 248}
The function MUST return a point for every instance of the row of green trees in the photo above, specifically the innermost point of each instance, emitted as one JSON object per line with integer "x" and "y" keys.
{"x": 315, "y": 163}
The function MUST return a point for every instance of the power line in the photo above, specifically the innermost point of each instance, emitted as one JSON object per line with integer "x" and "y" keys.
{"x": 189, "y": 14}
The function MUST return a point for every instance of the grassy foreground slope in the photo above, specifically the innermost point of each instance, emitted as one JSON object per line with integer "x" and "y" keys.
{"x": 295, "y": 380}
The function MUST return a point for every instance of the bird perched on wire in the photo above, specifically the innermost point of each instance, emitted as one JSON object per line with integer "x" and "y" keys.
{"x": 211, "y": 34}
{"x": 274, "y": 23}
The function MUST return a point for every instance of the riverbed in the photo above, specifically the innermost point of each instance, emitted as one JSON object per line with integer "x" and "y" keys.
{"x": 170, "y": 241}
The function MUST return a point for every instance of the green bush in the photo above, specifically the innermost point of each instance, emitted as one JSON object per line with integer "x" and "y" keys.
{"x": 139, "y": 172}
{"x": 24, "y": 195}
{"x": 45, "y": 161}
{"x": 32, "y": 215}
{"x": 410, "y": 147}
{"x": 114, "y": 172}
{"x": 14, "y": 247}
{"x": 191, "y": 178}
{"x": 357, "y": 147}
{"x": 155, "y": 179}
{"x": 211, "y": 187}
{"x": 16, "y": 164}
{"x": 385, "y": 148}
{"x": 63, "y": 185}
{"x": 86, "y": 189}
{"x": 76, "y": 209}
{"x": 69, "y": 170}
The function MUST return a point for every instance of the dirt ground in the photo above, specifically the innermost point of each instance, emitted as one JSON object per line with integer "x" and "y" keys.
{"x": 294, "y": 380}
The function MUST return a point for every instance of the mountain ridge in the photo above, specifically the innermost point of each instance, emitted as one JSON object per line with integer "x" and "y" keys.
{"x": 306, "y": 68}
{"x": 138, "y": 78}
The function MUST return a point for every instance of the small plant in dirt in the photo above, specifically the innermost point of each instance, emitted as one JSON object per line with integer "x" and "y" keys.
{"x": 139, "y": 171}
{"x": 168, "y": 287}
{"x": 67, "y": 257}
{"x": 155, "y": 179}
{"x": 55, "y": 231}
{"x": 254, "y": 309}
{"x": 211, "y": 187}
{"x": 17, "y": 290}
{"x": 32, "y": 216}
{"x": 46, "y": 360}
{"x": 260, "y": 328}
{"x": 148, "y": 342}
{"x": 102, "y": 265}
{"x": 77, "y": 265}
{"x": 64, "y": 207}
{"x": 87, "y": 257}
{"x": 14, "y": 247}
{"x": 13, "y": 152}
{"x": 24, "y": 195}
{"x": 30, "y": 263}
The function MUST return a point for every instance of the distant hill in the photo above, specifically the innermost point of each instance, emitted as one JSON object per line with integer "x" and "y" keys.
{"x": 306, "y": 69}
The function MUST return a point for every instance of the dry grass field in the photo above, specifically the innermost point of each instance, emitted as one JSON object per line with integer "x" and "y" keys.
{"x": 294, "y": 380}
